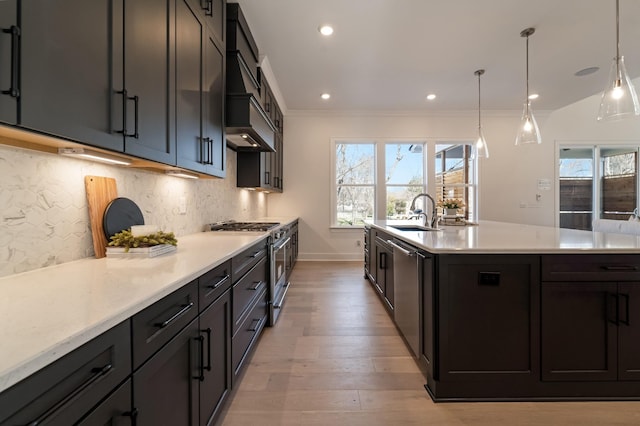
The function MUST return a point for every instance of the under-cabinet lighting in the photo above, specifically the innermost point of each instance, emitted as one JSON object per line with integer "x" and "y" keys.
{"x": 94, "y": 155}
{"x": 181, "y": 174}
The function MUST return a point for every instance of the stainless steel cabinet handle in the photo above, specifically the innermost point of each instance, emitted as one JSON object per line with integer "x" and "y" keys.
{"x": 278, "y": 305}
{"x": 175, "y": 316}
{"x": 219, "y": 283}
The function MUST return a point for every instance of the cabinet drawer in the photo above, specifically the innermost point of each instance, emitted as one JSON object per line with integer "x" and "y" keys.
{"x": 591, "y": 267}
{"x": 157, "y": 324}
{"x": 213, "y": 284}
{"x": 248, "y": 331}
{"x": 247, "y": 289}
{"x": 66, "y": 390}
{"x": 243, "y": 262}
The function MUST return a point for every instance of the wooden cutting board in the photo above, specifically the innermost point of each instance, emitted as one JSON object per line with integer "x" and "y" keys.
{"x": 100, "y": 192}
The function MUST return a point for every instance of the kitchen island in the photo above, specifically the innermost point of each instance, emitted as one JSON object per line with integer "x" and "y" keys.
{"x": 514, "y": 312}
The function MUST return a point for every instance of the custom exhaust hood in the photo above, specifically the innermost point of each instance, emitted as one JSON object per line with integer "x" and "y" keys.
{"x": 248, "y": 126}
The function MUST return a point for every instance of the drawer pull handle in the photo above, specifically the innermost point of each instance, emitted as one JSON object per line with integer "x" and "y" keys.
{"x": 219, "y": 283}
{"x": 620, "y": 268}
{"x": 175, "y": 316}
{"x": 257, "y": 322}
{"x": 256, "y": 254}
{"x": 256, "y": 286}
{"x": 97, "y": 373}
{"x": 200, "y": 376}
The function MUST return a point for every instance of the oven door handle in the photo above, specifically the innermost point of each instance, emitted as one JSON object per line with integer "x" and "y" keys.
{"x": 280, "y": 245}
{"x": 278, "y": 305}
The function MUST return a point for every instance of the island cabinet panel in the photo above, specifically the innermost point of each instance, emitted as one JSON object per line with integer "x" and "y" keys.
{"x": 428, "y": 315}
{"x": 384, "y": 269}
{"x": 488, "y": 318}
{"x": 590, "y": 329}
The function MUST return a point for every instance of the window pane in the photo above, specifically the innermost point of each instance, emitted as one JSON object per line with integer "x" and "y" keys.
{"x": 576, "y": 188}
{"x": 618, "y": 189}
{"x": 355, "y": 164}
{"x": 455, "y": 176}
{"x": 399, "y": 200}
{"x": 404, "y": 164}
{"x": 354, "y": 204}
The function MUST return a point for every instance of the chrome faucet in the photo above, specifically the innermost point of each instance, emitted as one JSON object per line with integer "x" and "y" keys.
{"x": 434, "y": 216}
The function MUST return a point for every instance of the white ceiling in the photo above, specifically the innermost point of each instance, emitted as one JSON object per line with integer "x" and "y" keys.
{"x": 387, "y": 55}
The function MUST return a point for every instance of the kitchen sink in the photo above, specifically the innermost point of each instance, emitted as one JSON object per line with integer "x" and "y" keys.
{"x": 413, "y": 228}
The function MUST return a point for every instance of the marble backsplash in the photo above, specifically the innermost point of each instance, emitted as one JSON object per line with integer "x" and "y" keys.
{"x": 44, "y": 218}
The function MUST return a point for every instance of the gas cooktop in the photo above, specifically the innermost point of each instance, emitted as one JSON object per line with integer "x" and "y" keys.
{"x": 241, "y": 226}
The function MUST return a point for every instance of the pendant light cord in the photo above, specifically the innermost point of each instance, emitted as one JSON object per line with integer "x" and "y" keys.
{"x": 617, "y": 39}
{"x": 479, "y": 74}
{"x": 527, "y": 74}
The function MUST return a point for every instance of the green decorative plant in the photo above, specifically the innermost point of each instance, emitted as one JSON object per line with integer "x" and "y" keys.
{"x": 451, "y": 203}
{"x": 127, "y": 240}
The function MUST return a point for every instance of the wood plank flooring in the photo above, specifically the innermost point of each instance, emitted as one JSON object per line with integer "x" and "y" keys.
{"x": 336, "y": 358}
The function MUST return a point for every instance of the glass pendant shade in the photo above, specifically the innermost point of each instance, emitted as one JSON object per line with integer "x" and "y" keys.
{"x": 528, "y": 132}
{"x": 480, "y": 148}
{"x": 619, "y": 99}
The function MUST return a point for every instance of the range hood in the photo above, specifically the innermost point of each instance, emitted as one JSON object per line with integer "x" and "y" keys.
{"x": 248, "y": 126}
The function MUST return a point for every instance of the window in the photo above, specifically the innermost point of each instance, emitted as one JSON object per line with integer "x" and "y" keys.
{"x": 596, "y": 182}
{"x": 380, "y": 178}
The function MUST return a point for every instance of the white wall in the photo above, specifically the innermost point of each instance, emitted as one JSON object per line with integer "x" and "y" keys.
{"x": 44, "y": 217}
{"x": 508, "y": 178}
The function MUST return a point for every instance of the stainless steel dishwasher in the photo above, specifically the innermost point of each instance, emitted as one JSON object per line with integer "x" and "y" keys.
{"x": 406, "y": 277}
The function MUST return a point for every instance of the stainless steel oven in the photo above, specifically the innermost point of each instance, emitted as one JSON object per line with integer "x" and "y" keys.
{"x": 279, "y": 267}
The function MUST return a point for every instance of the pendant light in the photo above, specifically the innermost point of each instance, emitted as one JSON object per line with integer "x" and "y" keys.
{"x": 528, "y": 131}
{"x": 480, "y": 148}
{"x": 619, "y": 99}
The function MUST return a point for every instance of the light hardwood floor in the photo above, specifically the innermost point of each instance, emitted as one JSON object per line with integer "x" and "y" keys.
{"x": 336, "y": 358}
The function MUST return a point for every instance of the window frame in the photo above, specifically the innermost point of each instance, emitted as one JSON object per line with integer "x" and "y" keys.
{"x": 380, "y": 185}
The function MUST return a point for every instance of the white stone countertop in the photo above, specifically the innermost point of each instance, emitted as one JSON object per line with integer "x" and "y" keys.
{"x": 47, "y": 313}
{"x": 503, "y": 237}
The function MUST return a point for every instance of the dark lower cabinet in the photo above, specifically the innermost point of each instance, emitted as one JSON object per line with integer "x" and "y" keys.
{"x": 65, "y": 391}
{"x": 215, "y": 384}
{"x": 428, "y": 314}
{"x": 384, "y": 269}
{"x": 165, "y": 388}
{"x": 113, "y": 411}
{"x": 488, "y": 320}
{"x": 629, "y": 332}
{"x": 590, "y": 331}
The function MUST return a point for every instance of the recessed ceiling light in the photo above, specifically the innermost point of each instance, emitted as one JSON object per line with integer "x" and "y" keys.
{"x": 586, "y": 71}
{"x": 325, "y": 96}
{"x": 534, "y": 96}
{"x": 431, "y": 96}
{"x": 326, "y": 30}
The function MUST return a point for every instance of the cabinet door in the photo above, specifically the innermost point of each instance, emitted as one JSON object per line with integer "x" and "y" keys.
{"x": 215, "y": 327}
{"x": 148, "y": 78}
{"x": 213, "y": 117}
{"x": 9, "y": 61}
{"x": 66, "y": 70}
{"x": 191, "y": 147}
{"x": 487, "y": 317}
{"x": 629, "y": 331}
{"x": 213, "y": 14}
{"x": 165, "y": 388}
{"x": 579, "y": 331}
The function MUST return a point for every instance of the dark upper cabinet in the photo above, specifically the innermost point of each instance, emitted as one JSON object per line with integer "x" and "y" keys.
{"x": 213, "y": 15}
{"x": 146, "y": 85}
{"x": 9, "y": 61}
{"x": 66, "y": 67}
{"x": 199, "y": 94}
